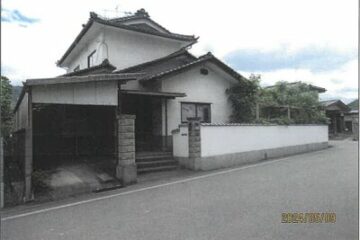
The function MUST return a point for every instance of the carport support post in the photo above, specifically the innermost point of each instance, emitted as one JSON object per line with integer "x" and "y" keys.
{"x": 126, "y": 166}
{"x": 28, "y": 150}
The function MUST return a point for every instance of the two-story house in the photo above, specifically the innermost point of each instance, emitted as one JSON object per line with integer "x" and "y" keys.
{"x": 175, "y": 84}
{"x": 119, "y": 67}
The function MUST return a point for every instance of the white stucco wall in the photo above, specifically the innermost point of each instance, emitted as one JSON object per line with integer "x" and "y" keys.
{"x": 129, "y": 48}
{"x": 125, "y": 48}
{"x": 181, "y": 142}
{"x": 199, "y": 88}
{"x": 87, "y": 49}
{"x": 218, "y": 140}
{"x": 89, "y": 93}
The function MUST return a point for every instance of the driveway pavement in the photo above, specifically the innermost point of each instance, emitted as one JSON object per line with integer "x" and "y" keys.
{"x": 243, "y": 203}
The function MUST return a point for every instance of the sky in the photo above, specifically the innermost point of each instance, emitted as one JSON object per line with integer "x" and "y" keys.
{"x": 313, "y": 41}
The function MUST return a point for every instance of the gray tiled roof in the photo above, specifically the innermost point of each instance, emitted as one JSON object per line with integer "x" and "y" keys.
{"x": 156, "y": 66}
{"x": 186, "y": 65}
{"x": 104, "y": 67}
{"x": 328, "y": 102}
{"x": 139, "y": 14}
{"x": 175, "y": 63}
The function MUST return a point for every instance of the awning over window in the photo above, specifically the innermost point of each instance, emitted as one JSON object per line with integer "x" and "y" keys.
{"x": 154, "y": 94}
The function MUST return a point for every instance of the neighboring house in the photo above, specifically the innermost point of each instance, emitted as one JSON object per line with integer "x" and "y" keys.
{"x": 335, "y": 110}
{"x": 354, "y": 105}
{"x": 351, "y": 118}
{"x": 116, "y": 68}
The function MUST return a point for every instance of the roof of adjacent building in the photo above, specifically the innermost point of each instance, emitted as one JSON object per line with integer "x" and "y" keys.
{"x": 354, "y": 105}
{"x": 120, "y": 23}
{"x": 328, "y": 104}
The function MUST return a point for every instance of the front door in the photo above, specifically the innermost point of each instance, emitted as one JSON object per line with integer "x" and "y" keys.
{"x": 146, "y": 109}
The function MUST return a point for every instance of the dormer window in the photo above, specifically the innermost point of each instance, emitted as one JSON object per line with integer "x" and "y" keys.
{"x": 91, "y": 59}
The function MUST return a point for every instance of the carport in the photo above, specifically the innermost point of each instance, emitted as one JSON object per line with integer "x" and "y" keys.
{"x": 75, "y": 120}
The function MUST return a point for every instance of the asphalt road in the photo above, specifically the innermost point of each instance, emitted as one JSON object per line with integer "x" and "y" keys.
{"x": 239, "y": 204}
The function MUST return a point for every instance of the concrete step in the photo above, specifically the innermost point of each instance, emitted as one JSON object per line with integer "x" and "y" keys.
{"x": 157, "y": 169}
{"x": 156, "y": 163}
{"x": 141, "y": 155}
{"x": 153, "y": 158}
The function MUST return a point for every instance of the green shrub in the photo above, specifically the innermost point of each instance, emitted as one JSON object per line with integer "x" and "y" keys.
{"x": 39, "y": 181}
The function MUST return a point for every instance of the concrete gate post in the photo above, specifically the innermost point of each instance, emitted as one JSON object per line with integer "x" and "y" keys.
{"x": 194, "y": 142}
{"x": 355, "y": 129}
{"x": 28, "y": 196}
{"x": 126, "y": 166}
{"x": 28, "y": 164}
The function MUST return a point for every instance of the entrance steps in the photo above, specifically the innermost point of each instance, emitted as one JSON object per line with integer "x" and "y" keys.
{"x": 155, "y": 161}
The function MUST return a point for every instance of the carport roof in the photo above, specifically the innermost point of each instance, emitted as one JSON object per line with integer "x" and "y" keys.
{"x": 123, "y": 77}
{"x": 79, "y": 79}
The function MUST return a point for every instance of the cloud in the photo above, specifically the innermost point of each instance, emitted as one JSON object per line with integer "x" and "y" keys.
{"x": 15, "y": 16}
{"x": 223, "y": 28}
{"x": 347, "y": 90}
{"x": 313, "y": 58}
{"x": 341, "y": 82}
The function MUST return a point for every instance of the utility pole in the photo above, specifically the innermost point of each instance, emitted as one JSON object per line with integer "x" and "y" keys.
{"x": 1, "y": 154}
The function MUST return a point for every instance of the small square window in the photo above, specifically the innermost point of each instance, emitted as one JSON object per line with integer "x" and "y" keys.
{"x": 187, "y": 110}
{"x": 91, "y": 59}
{"x": 201, "y": 110}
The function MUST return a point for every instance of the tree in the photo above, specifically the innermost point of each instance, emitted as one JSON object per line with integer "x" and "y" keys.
{"x": 275, "y": 102}
{"x": 302, "y": 101}
{"x": 243, "y": 97}
{"x": 5, "y": 104}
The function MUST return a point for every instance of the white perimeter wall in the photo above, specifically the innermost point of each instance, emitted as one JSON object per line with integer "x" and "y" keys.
{"x": 198, "y": 88}
{"x": 218, "y": 140}
{"x": 181, "y": 142}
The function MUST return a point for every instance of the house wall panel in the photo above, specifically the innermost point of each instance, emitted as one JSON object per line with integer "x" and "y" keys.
{"x": 199, "y": 88}
{"x": 91, "y": 93}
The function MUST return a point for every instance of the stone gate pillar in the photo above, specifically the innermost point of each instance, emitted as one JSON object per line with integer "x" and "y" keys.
{"x": 126, "y": 166}
{"x": 355, "y": 129}
{"x": 194, "y": 142}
